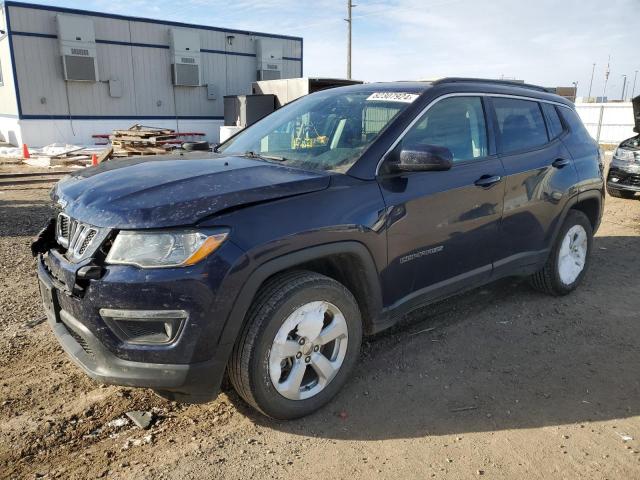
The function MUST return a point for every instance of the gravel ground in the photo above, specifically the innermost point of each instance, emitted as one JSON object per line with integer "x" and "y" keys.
{"x": 501, "y": 382}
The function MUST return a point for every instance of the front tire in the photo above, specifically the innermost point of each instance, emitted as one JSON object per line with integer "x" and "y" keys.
{"x": 569, "y": 257}
{"x": 299, "y": 345}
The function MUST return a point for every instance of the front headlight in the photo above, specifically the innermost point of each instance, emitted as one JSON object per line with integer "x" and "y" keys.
{"x": 624, "y": 155}
{"x": 149, "y": 249}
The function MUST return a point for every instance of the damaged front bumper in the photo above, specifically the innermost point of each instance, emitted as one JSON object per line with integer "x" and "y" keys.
{"x": 186, "y": 367}
{"x": 624, "y": 176}
{"x": 194, "y": 382}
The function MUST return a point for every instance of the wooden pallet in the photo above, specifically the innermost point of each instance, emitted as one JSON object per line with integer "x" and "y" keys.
{"x": 141, "y": 140}
{"x": 131, "y": 150}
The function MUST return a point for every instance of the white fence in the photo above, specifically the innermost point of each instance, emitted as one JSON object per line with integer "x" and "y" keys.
{"x": 607, "y": 122}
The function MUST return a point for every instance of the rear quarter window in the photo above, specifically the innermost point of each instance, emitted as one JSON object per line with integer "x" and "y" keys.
{"x": 521, "y": 124}
{"x": 554, "y": 125}
{"x": 576, "y": 126}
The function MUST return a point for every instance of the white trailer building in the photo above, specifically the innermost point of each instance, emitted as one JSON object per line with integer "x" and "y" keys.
{"x": 68, "y": 74}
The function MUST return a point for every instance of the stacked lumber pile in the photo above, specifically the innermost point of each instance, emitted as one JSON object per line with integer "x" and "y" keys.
{"x": 141, "y": 140}
{"x": 58, "y": 154}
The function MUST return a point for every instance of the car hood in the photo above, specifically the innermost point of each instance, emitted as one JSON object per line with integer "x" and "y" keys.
{"x": 142, "y": 193}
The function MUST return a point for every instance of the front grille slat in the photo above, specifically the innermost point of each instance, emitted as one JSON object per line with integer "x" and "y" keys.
{"x": 75, "y": 236}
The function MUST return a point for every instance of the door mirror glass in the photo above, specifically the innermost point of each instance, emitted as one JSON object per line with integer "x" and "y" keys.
{"x": 422, "y": 158}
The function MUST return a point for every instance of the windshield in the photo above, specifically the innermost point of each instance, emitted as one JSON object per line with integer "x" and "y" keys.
{"x": 328, "y": 130}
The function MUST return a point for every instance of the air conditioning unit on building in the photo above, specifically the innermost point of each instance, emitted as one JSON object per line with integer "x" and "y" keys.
{"x": 77, "y": 39}
{"x": 269, "y": 54}
{"x": 185, "y": 57}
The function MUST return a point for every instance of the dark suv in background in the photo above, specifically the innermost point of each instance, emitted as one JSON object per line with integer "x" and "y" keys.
{"x": 329, "y": 219}
{"x": 623, "y": 179}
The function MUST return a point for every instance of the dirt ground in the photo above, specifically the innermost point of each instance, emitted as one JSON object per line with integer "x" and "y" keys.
{"x": 501, "y": 382}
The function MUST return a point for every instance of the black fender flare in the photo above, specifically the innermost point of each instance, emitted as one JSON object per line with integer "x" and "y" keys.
{"x": 237, "y": 318}
{"x": 572, "y": 202}
{"x": 598, "y": 195}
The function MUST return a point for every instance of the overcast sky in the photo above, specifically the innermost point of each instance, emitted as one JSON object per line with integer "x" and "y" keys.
{"x": 548, "y": 42}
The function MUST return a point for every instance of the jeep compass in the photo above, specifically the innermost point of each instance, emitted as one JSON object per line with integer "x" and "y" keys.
{"x": 268, "y": 259}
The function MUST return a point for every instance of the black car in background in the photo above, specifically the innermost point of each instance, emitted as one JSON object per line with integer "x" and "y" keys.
{"x": 623, "y": 179}
{"x": 325, "y": 221}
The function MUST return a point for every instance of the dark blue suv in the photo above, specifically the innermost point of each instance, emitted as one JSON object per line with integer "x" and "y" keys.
{"x": 330, "y": 219}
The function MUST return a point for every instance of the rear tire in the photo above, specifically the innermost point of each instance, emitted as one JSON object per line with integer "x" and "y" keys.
{"x": 284, "y": 363}
{"x": 620, "y": 193}
{"x": 569, "y": 258}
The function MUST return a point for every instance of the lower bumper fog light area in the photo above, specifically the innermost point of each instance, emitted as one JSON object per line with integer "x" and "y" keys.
{"x": 147, "y": 327}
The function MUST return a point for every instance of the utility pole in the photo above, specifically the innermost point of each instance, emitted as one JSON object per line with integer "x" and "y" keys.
{"x": 624, "y": 86}
{"x": 575, "y": 91}
{"x": 349, "y": 21}
{"x": 593, "y": 70}
{"x": 606, "y": 79}
{"x": 633, "y": 90}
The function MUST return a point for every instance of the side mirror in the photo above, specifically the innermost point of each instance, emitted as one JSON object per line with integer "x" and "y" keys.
{"x": 422, "y": 158}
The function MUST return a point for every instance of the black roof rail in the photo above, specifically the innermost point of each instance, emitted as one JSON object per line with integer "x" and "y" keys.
{"x": 508, "y": 83}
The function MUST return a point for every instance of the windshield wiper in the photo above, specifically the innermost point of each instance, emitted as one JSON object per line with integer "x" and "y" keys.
{"x": 251, "y": 154}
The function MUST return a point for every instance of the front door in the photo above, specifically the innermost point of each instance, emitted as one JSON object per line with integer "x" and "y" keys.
{"x": 443, "y": 226}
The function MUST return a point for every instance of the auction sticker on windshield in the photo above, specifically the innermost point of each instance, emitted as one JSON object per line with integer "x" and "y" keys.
{"x": 392, "y": 97}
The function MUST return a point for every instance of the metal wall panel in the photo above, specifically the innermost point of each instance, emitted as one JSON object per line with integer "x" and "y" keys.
{"x": 8, "y": 104}
{"x": 211, "y": 40}
{"x": 40, "y": 77}
{"x": 29, "y": 20}
{"x": 152, "y": 76}
{"x": 241, "y": 72}
{"x": 214, "y": 71}
{"x": 143, "y": 70}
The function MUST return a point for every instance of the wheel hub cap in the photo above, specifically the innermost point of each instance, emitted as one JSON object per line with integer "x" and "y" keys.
{"x": 308, "y": 350}
{"x": 573, "y": 254}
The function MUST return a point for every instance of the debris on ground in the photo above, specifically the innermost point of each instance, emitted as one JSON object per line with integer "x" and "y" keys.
{"x": 140, "y": 418}
{"x": 118, "y": 422}
{"x": 35, "y": 321}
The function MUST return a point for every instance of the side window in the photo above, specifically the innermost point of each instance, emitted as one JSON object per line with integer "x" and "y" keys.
{"x": 521, "y": 124}
{"x": 554, "y": 125}
{"x": 456, "y": 123}
{"x": 576, "y": 126}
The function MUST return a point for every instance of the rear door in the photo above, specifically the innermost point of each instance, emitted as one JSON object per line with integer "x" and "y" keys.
{"x": 540, "y": 176}
{"x": 443, "y": 226}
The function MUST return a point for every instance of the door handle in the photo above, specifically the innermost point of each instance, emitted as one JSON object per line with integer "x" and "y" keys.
{"x": 560, "y": 163}
{"x": 488, "y": 180}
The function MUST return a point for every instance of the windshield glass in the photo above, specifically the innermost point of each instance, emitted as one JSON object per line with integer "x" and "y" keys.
{"x": 328, "y": 130}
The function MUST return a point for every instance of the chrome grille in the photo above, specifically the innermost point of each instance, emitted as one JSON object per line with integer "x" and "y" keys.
{"x": 87, "y": 241}
{"x": 75, "y": 236}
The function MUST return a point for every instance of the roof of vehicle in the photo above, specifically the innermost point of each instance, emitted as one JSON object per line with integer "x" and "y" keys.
{"x": 465, "y": 84}
{"x": 409, "y": 87}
